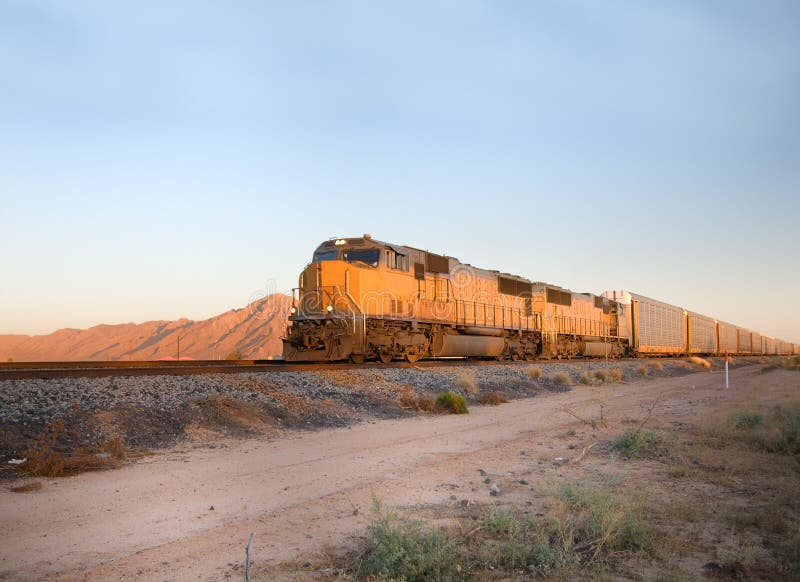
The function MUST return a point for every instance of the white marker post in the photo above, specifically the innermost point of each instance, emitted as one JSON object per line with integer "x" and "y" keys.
{"x": 727, "y": 385}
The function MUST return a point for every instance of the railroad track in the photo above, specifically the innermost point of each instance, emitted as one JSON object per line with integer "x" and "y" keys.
{"x": 49, "y": 370}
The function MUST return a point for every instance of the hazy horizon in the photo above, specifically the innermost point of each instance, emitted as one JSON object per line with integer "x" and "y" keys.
{"x": 166, "y": 161}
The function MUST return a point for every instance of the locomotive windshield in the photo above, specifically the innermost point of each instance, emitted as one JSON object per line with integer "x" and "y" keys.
{"x": 369, "y": 256}
{"x": 326, "y": 256}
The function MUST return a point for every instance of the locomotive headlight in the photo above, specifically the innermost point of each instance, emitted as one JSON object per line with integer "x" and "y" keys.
{"x": 330, "y": 308}
{"x": 339, "y": 242}
{"x": 293, "y": 311}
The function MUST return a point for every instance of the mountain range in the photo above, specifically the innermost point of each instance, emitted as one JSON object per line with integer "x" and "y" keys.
{"x": 252, "y": 332}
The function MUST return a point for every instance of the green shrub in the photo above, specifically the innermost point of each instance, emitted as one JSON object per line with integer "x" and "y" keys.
{"x": 604, "y": 521}
{"x": 451, "y": 402}
{"x": 636, "y": 443}
{"x": 518, "y": 544}
{"x": 500, "y": 521}
{"x": 745, "y": 420}
{"x": 399, "y": 548}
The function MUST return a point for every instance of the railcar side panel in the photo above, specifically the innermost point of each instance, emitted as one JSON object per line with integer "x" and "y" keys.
{"x": 728, "y": 340}
{"x": 702, "y": 334}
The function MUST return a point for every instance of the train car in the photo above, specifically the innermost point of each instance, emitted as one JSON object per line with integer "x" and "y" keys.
{"x": 727, "y": 339}
{"x": 744, "y": 341}
{"x": 769, "y": 346}
{"x": 701, "y": 334}
{"x": 362, "y": 299}
{"x": 758, "y": 343}
{"x": 653, "y": 327}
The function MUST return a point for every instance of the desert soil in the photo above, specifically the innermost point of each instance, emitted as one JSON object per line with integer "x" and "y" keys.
{"x": 185, "y": 513}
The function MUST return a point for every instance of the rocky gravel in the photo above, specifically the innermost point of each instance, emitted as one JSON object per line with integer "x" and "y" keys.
{"x": 155, "y": 410}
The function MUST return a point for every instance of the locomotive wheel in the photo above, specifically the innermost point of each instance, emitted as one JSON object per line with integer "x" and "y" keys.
{"x": 411, "y": 358}
{"x": 357, "y": 358}
{"x": 385, "y": 357}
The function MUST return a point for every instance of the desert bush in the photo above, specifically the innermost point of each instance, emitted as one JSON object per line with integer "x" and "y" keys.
{"x": 781, "y": 433}
{"x": 517, "y": 544}
{"x": 493, "y": 398}
{"x": 41, "y": 458}
{"x": 585, "y": 525}
{"x": 535, "y": 372}
{"x": 615, "y": 374}
{"x": 790, "y": 552}
{"x": 743, "y": 553}
{"x": 603, "y": 522}
{"x": 44, "y": 458}
{"x": 399, "y": 548}
{"x": 636, "y": 443}
{"x": 745, "y": 420}
{"x": 466, "y": 384}
{"x": 656, "y": 366}
{"x": 587, "y": 379}
{"x": 409, "y": 400}
{"x": 700, "y": 362}
{"x": 642, "y": 370}
{"x": 451, "y": 402}
{"x": 789, "y": 363}
{"x": 561, "y": 378}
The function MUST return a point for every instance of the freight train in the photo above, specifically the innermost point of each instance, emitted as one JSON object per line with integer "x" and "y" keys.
{"x": 362, "y": 299}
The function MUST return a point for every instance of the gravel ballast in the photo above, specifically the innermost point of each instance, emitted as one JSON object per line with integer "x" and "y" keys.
{"x": 166, "y": 405}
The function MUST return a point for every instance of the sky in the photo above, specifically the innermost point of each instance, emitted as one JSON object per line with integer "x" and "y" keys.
{"x": 174, "y": 159}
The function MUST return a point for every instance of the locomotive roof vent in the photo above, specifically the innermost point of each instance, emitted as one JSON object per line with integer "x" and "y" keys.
{"x": 367, "y": 236}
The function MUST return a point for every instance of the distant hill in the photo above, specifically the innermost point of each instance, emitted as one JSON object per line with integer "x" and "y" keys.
{"x": 254, "y": 331}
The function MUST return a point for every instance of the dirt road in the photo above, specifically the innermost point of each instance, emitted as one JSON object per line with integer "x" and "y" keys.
{"x": 186, "y": 514}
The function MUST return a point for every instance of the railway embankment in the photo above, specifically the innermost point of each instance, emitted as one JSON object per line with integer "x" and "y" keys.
{"x": 150, "y": 412}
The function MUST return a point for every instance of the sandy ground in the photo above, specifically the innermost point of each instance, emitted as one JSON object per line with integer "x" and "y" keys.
{"x": 186, "y": 514}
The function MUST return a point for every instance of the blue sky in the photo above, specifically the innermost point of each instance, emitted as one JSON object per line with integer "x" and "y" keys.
{"x": 169, "y": 159}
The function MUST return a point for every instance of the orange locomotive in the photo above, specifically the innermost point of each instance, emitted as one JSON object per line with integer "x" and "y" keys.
{"x": 362, "y": 299}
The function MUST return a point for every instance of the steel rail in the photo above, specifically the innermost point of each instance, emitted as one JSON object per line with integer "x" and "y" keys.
{"x": 50, "y": 370}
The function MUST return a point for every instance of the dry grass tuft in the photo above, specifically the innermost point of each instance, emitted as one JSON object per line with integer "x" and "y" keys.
{"x": 587, "y": 379}
{"x": 561, "y": 378}
{"x": 700, "y": 362}
{"x": 642, "y": 370}
{"x": 656, "y": 366}
{"x": 535, "y": 372}
{"x": 466, "y": 384}
{"x": 28, "y": 487}
{"x": 493, "y": 398}
{"x": 44, "y": 459}
{"x": 409, "y": 400}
